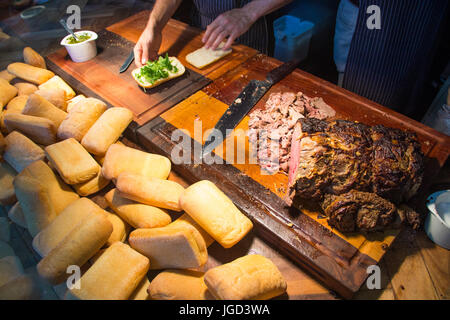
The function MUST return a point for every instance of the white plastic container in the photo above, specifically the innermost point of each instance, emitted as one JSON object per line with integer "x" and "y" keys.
{"x": 83, "y": 51}
{"x": 292, "y": 38}
{"x": 437, "y": 223}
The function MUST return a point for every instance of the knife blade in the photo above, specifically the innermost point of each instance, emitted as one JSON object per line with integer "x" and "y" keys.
{"x": 127, "y": 63}
{"x": 246, "y": 100}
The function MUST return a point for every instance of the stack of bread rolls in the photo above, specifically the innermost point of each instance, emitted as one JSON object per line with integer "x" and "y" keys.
{"x": 90, "y": 201}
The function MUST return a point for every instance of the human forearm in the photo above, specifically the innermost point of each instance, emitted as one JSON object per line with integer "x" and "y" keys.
{"x": 259, "y": 8}
{"x": 231, "y": 24}
{"x": 161, "y": 13}
{"x": 150, "y": 40}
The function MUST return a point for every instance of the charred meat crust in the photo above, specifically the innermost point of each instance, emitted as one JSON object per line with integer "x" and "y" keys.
{"x": 357, "y": 172}
{"x": 344, "y": 155}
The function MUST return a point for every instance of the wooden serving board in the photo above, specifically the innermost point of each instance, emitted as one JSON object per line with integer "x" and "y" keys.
{"x": 339, "y": 260}
{"x": 100, "y": 76}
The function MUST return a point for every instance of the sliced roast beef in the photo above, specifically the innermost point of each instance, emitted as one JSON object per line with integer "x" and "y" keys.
{"x": 271, "y": 128}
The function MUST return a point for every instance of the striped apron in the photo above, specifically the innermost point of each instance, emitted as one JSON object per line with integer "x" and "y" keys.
{"x": 258, "y": 36}
{"x": 391, "y": 65}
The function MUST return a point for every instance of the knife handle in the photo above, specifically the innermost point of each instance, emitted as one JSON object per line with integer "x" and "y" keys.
{"x": 282, "y": 71}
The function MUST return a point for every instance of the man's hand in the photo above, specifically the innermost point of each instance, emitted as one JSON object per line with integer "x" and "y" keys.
{"x": 230, "y": 24}
{"x": 147, "y": 46}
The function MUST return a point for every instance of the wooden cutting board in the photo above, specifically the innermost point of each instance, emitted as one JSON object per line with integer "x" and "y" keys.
{"x": 339, "y": 260}
{"x": 100, "y": 76}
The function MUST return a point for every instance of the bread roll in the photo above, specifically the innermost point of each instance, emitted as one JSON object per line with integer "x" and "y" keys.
{"x": 7, "y": 174}
{"x": 171, "y": 74}
{"x": 77, "y": 211}
{"x": 35, "y": 202}
{"x": 91, "y": 186}
{"x": 72, "y": 161}
{"x": 7, "y": 92}
{"x": 61, "y": 195}
{"x": 5, "y": 230}
{"x": 4, "y": 74}
{"x": 120, "y": 229}
{"x": 30, "y": 73}
{"x": 140, "y": 293}
{"x": 151, "y": 191}
{"x": 21, "y": 151}
{"x": 10, "y": 268}
{"x": 57, "y": 82}
{"x": 55, "y": 96}
{"x": 20, "y": 288}
{"x": 114, "y": 276}
{"x": 3, "y": 130}
{"x": 74, "y": 101}
{"x": 25, "y": 88}
{"x": 120, "y": 158}
{"x": 5, "y": 250}
{"x": 39, "y": 107}
{"x": 2, "y": 144}
{"x": 40, "y": 130}
{"x": 136, "y": 214}
{"x": 101, "y": 159}
{"x": 17, "y": 104}
{"x": 76, "y": 248}
{"x": 106, "y": 130}
{"x": 203, "y": 57}
{"x": 81, "y": 117}
{"x": 15, "y": 214}
{"x": 252, "y": 277}
{"x": 178, "y": 285}
{"x": 185, "y": 221}
{"x": 215, "y": 213}
{"x": 170, "y": 247}
{"x": 33, "y": 58}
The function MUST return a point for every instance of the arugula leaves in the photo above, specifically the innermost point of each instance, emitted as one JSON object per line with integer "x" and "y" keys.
{"x": 155, "y": 70}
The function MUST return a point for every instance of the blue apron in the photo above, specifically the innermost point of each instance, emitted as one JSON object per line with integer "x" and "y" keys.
{"x": 390, "y": 65}
{"x": 258, "y": 36}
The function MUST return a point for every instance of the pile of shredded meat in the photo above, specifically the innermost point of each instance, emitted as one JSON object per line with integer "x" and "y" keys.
{"x": 271, "y": 128}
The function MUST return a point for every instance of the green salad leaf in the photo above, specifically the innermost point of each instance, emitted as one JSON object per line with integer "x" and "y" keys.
{"x": 156, "y": 70}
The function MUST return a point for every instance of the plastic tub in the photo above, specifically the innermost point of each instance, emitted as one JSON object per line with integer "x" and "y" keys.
{"x": 437, "y": 223}
{"x": 292, "y": 38}
{"x": 83, "y": 51}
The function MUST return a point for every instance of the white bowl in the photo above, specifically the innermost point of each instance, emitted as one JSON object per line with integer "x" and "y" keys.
{"x": 437, "y": 223}
{"x": 83, "y": 51}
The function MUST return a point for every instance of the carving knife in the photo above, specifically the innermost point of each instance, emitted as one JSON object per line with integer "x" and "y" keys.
{"x": 127, "y": 63}
{"x": 246, "y": 100}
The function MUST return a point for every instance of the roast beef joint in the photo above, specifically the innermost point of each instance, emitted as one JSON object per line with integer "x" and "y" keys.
{"x": 359, "y": 174}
